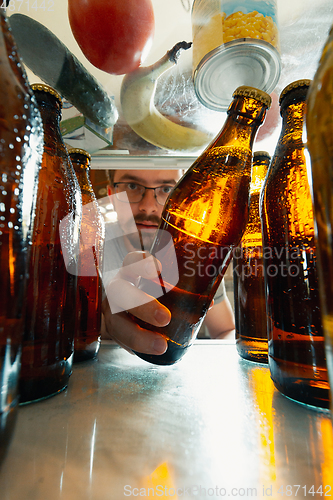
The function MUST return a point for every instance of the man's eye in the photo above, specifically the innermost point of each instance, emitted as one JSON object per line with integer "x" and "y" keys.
{"x": 132, "y": 187}
{"x": 166, "y": 189}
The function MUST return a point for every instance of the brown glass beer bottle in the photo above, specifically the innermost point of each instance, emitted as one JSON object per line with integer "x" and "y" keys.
{"x": 295, "y": 335}
{"x": 21, "y": 147}
{"x": 48, "y": 342}
{"x": 92, "y": 233}
{"x": 248, "y": 275}
{"x": 319, "y": 124}
{"x": 203, "y": 219}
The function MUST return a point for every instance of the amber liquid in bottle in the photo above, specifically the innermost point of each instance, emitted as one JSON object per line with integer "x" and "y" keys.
{"x": 248, "y": 275}
{"x": 48, "y": 342}
{"x": 204, "y": 217}
{"x": 320, "y": 143}
{"x": 296, "y": 342}
{"x": 87, "y": 336}
{"x": 21, "y": 146}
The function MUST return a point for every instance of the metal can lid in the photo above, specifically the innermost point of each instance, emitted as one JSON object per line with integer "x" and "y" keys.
{"x": 257, "y": 94}
{"x": 79, "y": 152}
{"x": 46, "y": 88}
{"x": 240, "y": 62}
{"x": 294, "y": 85}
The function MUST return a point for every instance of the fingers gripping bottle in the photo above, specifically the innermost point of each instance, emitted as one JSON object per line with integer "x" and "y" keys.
{"x": 248, "y": 275}
{"x": 203, "y": 219}
{"x": 296, "y": 343}
{"x": 87, "y": 336}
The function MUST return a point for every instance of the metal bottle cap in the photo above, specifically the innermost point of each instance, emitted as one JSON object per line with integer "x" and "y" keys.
{"x": 79, "y": 152}
{"x": 46, "y": 88}
{"x": 259, "y": 95}
{"x": 294, "y": 85}
{"x": 258, "y": 154}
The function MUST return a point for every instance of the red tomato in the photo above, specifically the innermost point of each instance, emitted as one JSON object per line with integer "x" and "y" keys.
{"x": 114, "y": 35}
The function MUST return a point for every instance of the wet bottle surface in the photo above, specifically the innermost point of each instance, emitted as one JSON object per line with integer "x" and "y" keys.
{"x": 48, "y": 343}
{"x": 296, "y": 343}
{"x": 248, "y": 275}
{"x": 87, "y": 336}
{"x": 320, "y": 143}
{"x": 21, "y": 146}
{"x": 203, "y": 219}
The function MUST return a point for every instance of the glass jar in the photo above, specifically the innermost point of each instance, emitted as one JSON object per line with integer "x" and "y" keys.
{"x": 235, "y": 42}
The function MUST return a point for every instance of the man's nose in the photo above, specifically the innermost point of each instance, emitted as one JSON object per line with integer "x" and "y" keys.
{"x": 148, "y": 203}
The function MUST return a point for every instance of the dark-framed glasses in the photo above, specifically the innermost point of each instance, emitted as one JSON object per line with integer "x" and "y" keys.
{"x": 133, "y": 193}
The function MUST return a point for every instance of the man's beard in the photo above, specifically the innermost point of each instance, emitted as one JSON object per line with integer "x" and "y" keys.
{"x": 140, "y": 240}
{"x": 143, "y": 240}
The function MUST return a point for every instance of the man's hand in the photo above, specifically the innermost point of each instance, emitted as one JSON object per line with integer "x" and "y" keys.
{"x": 123, "y": 295}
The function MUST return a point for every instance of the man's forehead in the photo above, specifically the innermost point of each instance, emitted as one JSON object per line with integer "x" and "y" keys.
{"x": 148, "y": 176}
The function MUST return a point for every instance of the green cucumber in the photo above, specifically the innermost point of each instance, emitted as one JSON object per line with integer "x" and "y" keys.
{"x": 50, "y": 60}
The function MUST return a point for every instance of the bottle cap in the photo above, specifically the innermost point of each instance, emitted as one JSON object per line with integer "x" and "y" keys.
{"x": 294, "y": 85}
{"x": 257, "y": 154}
{"x": 46, "y": 88}
{"x": 79, "y": 152}
{"x": 257, "y": 94}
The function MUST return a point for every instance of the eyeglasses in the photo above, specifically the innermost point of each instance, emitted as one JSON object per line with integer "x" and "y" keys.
{"x": 134, "y": 193}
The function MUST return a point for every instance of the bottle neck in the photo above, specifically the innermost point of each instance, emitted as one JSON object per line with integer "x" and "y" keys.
{"x": 82, "y": 169}
{"x": 8, "y": 50}
{"x": 293, "y": 121}
{"x": 245, "y": 115}
{"x": 3, "y": 44}
{"x": 259, "y": 171}
{"x": 50, "y": 111}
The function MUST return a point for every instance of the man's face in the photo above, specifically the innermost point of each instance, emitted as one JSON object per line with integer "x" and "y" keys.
{"x": 147, "y": 212}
